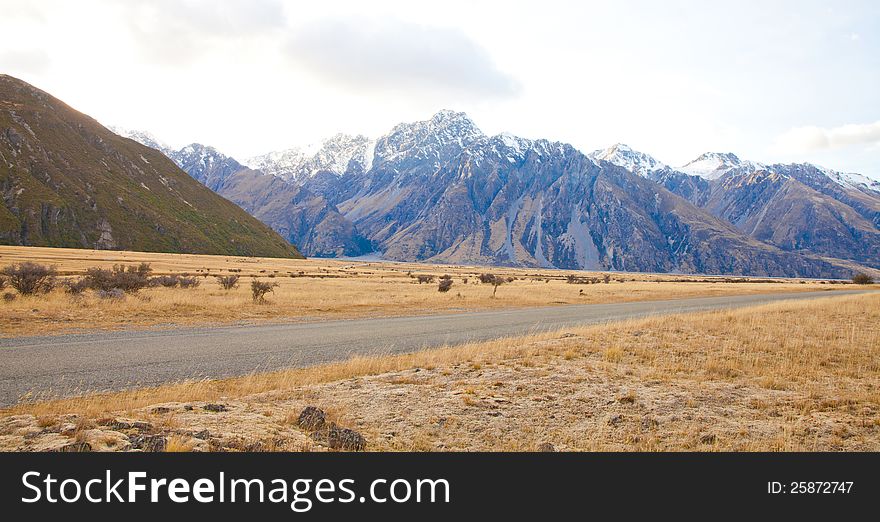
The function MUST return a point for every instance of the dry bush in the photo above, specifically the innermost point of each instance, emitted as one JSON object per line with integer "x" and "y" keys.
{"x": 128, "y": 279}
{"x": 229, "y": 282}
{"x": 31, "y": 278}
{"x": 167, "y": 281}
{"x": 76, "y": 287}
{"x": 2, "y": 283}
{"x": 487, "y": 278}
{"x": 862, "y": 279}
{"x": 113, "y": 293}
{"x": 259, "y": 289}
{"x": 425, "y": 279}
{"x": 188, "y": 282}
{"x": 445, "y": 285}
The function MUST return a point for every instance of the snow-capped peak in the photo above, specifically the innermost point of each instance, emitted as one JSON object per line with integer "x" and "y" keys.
{"x": 334, "y": 155}
{"x": 437, "y": 140}
{"x": 624, "y": 156}
{"x": 850, "y": 179}
{"x": 713, "y": 165}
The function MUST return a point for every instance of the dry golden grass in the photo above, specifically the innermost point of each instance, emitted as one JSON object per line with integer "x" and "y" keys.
{"x": 321, "y": 289}
{"x": 799, "y": 375}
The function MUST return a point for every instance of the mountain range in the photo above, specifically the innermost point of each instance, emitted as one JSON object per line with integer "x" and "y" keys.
{"x": 441, "y": 190}
{"x": 67, "y": 181}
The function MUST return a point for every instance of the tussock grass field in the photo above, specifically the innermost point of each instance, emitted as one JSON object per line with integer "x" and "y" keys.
{"x": 318, "y": 289}
{"x": 786, "y": 376}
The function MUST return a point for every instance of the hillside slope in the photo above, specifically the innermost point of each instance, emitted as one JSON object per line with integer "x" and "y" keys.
{"x": 66, "y": 181}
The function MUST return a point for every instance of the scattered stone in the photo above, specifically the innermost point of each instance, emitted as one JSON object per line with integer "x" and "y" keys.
{"x": 151, "y": 443}
{"x": 215, "y": 407}
{"x": 614, "y": 420}
{"x": 312, "y": 419}
{"x": 189, "y": 407}
{"x": 74, "y": 447}
{"x": 126, "y": 424}
{"x": 648, "y": 423}
{"x": 626, "y": 399}
{"x": 546, "y": 447}
{"x": 203, "y": 435}
{"x": 160, "y": 410}
{"x": 342, "y": 439}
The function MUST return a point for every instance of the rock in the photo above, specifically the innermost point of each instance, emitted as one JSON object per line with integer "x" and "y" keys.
{"x": 160, "y": 410}
{"x": 342, "y": 439}
{"x": 189, "y": 407}
{"x": 614, "y": 420}
{"x": 127, "y": 424}
{"x": 203, "y": 435}
{"x": 312, "y": 419}
{"x": 648, "y": 423}
{"x": 546, "y": 447}
{"x": 151, "y": 443}
{"x": 215, "y": 407}
{"x": 74, "y": 447}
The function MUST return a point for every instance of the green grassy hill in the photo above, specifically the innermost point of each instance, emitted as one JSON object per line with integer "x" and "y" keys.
{"x": 66, "y": 181}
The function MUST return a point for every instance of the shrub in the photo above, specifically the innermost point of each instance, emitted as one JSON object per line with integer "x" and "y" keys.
{"x": 76, "y": 287}
{"x": 30, "y": 278}
{"x": 487, "y": 278}
{"x": 128, "y": 279}
{"x": 862, "y": 279}
{"x": 606, "y": 278}
{"x": 575, "y": 280}
{"x": 9, "y": 297}
{"x": 229, "y": 282}
{"x": 167, "y": 281}
{"x": 113, "y": 293}
{"x": 445, "y": 285}
{"x": 2, "y": 283}
{"x": 426, "y": 279}
{"x": 188, "y": 282}
{"x": 259, "y": 289}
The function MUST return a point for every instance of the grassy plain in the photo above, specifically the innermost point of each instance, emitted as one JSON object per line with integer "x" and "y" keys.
{"x": 317, "y": 289}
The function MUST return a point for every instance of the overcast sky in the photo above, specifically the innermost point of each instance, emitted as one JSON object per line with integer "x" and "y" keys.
{"x": 768, "y": 80}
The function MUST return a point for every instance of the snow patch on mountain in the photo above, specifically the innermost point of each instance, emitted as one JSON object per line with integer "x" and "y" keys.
{"x": 624, "y": 156}
{"x": 713, "y": 165}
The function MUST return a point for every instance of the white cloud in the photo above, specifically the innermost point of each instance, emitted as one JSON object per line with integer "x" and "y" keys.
{"x": 812, "y": 138}
{"x": 391, "y": 55}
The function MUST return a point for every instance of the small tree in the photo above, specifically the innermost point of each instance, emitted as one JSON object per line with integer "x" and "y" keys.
{"x": 31, "y": 278}
{"x": 259, "y": 289}
{"x": 496, "y": 283}
{"x": 445, "y": 285}
{"x": 862, "y": 279}
{"x": 229, "y": 282}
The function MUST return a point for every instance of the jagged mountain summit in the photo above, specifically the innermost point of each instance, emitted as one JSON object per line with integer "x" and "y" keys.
{"x": 796, "y": 207}
{"x": 440, "y": 190}
{"x": 634, "y": 161}
{"x": 67, "y": 181}
{"x": 335, "y": 156}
